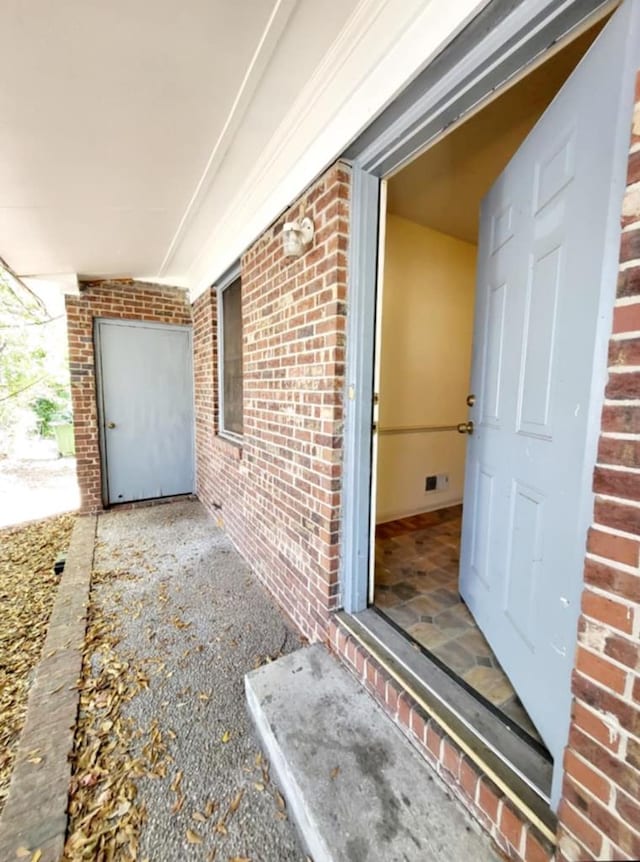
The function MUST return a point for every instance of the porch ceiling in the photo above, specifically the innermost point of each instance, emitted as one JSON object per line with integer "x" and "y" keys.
{"x": 115, "y": 114}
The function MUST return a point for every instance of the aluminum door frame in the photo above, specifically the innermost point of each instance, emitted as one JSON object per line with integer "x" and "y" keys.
{"x": 504, "y": 41}
{"x": 99, "y": 392}
{"x": 501, "y": 44}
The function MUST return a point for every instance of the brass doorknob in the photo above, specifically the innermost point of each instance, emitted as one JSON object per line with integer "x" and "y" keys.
{"x": 111, "y": 424}
{"x": 465, "y": 428}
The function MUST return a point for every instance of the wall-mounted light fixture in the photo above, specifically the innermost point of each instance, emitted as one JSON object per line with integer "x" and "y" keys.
{"x": 296, "y": 235}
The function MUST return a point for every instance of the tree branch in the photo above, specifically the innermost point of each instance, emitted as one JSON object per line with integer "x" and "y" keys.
{"x": 23, "y": 389}
{"x": 5, "y": 266}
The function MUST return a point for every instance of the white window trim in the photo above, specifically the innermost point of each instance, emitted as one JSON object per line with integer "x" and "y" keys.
{"x": 226, "y": 280}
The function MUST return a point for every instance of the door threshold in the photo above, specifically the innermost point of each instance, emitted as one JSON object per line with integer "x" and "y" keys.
{"x": 522, "y": 772}
{"x": 496, "y": 711}
{"x": 151, "y": 501}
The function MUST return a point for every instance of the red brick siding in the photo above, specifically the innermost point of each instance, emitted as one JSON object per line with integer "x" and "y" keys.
{"x": 599, "y": 813}
{"x": 279, "y": 498}
{"x": 123, "y": 300}
{"x": 278, "y": 494}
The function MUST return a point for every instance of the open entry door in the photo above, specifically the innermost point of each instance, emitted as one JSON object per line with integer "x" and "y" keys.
{"x": 548, "y": 248}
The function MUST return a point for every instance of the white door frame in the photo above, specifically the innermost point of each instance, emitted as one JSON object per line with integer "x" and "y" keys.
{"x": 98, "y": 322}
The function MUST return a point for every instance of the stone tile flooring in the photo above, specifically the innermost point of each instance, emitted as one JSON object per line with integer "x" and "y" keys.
{"x": 416, "y": 586}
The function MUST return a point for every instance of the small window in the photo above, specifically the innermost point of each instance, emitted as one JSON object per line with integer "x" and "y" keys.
{"x": 230, "y": 316}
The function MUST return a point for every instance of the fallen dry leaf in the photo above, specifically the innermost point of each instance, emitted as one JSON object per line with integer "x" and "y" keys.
{"x": 193, "y": 837}
{"x": 235, "y": 802}
{"x": 36, "y": 856}
{"x": 110, "y": 752}
{"x": 177, "y": 805}
{"x": 334, "y": 773}
{"x": 27, "y": 592}
{"x": 226, "y": 736}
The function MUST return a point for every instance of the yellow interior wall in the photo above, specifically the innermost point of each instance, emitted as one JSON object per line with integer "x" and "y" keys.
{"x": 425, "y": 359}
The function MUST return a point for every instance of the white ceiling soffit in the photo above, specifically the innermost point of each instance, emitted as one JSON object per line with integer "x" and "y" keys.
{"x": 380, "y": 48}
{"x": 110, "y": 114}
{"x": 157, "y": 138}
{"x": 116, "y": 116}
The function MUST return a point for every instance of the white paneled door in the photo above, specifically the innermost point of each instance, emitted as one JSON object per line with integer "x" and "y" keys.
{"x": 546, "y": 280}
{"x": 146, "y": 393}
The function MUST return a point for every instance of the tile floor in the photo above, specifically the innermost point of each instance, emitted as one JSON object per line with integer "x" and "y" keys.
{"x": 416, "y": 586}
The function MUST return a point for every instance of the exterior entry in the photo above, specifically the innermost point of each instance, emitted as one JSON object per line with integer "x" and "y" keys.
{"x": 547, "y": 258}
{"x": 543, "y": 289}
{"x": 146, "y": 409}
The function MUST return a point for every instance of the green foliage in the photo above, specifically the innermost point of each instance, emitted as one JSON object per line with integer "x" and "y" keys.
{"x": 33, "y": 366}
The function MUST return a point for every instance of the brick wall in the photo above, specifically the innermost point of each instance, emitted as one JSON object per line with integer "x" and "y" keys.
{"x": 600, "y": 810}
{"x": 123, "y": 300}
{"x": 278, "y": 497}
{"x": 278, "y": 494}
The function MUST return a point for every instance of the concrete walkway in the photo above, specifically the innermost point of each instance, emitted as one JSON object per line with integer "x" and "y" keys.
{"x": 201, "y": 621}
{"x": 356, "y": 787}
{"x": 36, "y": 483}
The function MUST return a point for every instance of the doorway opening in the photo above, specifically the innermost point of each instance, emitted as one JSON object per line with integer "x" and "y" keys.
{"x": 428, "y": 253}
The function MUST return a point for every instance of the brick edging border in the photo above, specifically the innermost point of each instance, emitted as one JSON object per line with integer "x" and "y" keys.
{"x": 35, "y": 813}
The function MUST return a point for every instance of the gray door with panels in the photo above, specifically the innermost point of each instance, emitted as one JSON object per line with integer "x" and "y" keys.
{"x": 546, "y": 282}
{"x": 146, "y": 383}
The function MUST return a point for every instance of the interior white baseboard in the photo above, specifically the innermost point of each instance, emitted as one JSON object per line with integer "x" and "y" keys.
{"x": 383, "y": 517}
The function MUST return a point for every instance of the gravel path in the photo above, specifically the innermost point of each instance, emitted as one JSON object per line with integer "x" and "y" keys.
{"x": 199, "y": 620}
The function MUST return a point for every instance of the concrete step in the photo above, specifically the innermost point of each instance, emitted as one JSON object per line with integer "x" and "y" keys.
{"x": 357, "y": 789}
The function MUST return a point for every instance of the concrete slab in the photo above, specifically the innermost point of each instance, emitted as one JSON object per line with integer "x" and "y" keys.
{"x": 355, "y": 786}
